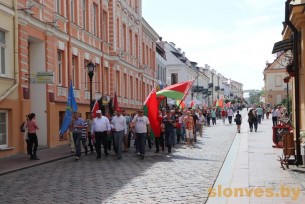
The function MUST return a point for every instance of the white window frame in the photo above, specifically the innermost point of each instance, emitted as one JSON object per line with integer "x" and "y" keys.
{"x": 60, "y": 67}
{"x": 278, "y": 81}
{"x": 2, "y": 61}
{"x": 6, "y": 124}
{"x": 86, "y": 75}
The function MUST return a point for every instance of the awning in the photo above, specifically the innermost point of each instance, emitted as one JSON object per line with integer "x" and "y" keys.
{"x": 283, "y": 45}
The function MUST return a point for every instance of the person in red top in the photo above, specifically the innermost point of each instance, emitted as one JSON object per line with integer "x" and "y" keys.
{"x": 223, "y": 115}
{"x": 33, "y": 140}
{"x": 189, "y": 127}
{"x": 159, "y": 139}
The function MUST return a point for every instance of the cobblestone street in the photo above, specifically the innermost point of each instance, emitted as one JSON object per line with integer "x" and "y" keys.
{"x": 183, "y": 177}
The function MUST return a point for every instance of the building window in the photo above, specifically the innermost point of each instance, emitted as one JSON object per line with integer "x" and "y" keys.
{"x": 106, "y": 80}
{"x": 104, "y": 27}
{"x": 124, "y": 37}
{"x": 3, "y": 128}
{"x": 95, "y": 17}
{"x": 137, "y": 88}
{"x": 125, "y": 85}
{"x": 58, "y": 6}
{"x": 278, "y": 81}
{"x": 131, "y": 87}
{"x": 86, "y": 74}
{"x": 74, "y": 72}
{"x": 2, "y": 53}
{"x": 130, "y": 43}
{"x": 60, "y": 67}
{"x": 72, "y": 11}
{"x": 118, "y": 84}
{"x": 96, "y": 78}
{"x": 84, "y": 7}
{"x": 118, "y": 33}
{"x": 137, "y": 46}
{"x": 174, "y": 78}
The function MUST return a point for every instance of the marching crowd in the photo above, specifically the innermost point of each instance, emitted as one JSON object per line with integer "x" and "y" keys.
{"x": 121, "y": 130}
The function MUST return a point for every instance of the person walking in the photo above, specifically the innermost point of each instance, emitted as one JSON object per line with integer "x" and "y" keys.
{"x": 100, "y": 131}
{"x": 252, "y": 120}
{"x": 169, "y": 123}
{"x": 230, "y": 114}
{"x": 200, "y": 123}
{"x": 24, "y": 129}
{"x": 208, "y": 117}
{"x": 90, "y": 139}
{"x": 84, "y": 135}
{"x": 159, "y": 139}
{"x": 213, "y": 115}
{"x": 238, "y": 121}
{"x": 33, "y": 140}
{"x": 223, "y": 115}
{"x": 189, "y": 126}
{"x": 260, "y": 113}
{"x": 119, "y": 131}
{"x": 78, "y": 126}
{"x": 141, "y": 127}
{"x": 274, "y": 116}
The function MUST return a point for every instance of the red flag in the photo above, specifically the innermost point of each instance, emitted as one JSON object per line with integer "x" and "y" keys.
{"x": 95, "y": 108}
{"x": 176, "y": 91}
{"x": 152, "y": 112}
{"x": 115, "y": 103}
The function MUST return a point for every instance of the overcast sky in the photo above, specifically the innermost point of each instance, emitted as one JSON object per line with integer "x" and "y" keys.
{"x": 234, "y": 37}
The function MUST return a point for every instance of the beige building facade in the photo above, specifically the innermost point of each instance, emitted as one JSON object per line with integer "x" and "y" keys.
{"x": 62, "y": 37}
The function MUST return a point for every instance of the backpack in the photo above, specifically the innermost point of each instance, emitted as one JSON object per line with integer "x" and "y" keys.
{"x": 21, "y": 128}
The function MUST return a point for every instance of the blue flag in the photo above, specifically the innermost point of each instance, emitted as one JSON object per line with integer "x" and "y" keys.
{"x": 71, "y": 108}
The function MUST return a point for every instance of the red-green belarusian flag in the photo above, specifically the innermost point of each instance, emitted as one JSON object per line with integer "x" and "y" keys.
{"x": 176, "y": 91}
{"x": 152, "y": 112}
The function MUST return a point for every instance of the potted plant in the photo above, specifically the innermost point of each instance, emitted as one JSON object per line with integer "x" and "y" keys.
{"x": 286, "y": 79}
{"x": 290, "y": 69}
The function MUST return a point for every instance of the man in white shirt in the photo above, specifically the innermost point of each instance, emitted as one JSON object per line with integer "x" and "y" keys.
{"x": 141, "y": 125}
{"x": 120, "y": 130}
{"x": 100, "y": 130}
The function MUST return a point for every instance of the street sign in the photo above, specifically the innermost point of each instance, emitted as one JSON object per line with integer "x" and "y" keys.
{"x": 43, "y": 78}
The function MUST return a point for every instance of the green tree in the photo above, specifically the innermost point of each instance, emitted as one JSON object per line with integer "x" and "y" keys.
{"x": 254, "y": 97}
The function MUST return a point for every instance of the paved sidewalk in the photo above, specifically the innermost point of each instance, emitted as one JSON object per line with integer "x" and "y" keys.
{"x": 252, "y": 167}
{"x": 21, "y": 161}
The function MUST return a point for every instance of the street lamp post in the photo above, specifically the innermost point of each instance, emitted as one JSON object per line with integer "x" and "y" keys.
{"x": 90, "y": 66}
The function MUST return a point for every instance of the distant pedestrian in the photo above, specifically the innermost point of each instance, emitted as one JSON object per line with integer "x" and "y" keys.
{"x": 159, "y": 139}
{"x": 189, "y": 126}
{"x": 223, "y": 115}
{"x": 84, "y": 135}
{"x": 260, "y": 113}
{"x": 142, "y": 128}
{"x": 33, "y": 140}
{"x": 119, "y": 131}
{"x": 90, "y": 138}
{"x": 213, "y": 116}
{"x": 200, "y": 123}
{"x": 274, "y": 117}
{"x": 230, "y": 114}
{"x": 252, "y": 120}
{"x": 100, "y": 131}
{"x": 78, "y": 126}
{"x": 208, "y": 117}
{"x": 238, "y": 121}
{"x": 25, "y": 131}
{"x": 169, "y": 123}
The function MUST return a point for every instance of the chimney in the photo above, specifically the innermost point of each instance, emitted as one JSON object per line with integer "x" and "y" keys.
{"x": 160, "y": 38}
{"x": 183, "y": 54}
{"x": 179, "y": 50}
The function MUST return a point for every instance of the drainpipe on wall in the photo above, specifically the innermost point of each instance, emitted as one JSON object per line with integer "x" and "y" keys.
{"x": 296, "y": 78}
{"x": 16, "y": 71}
